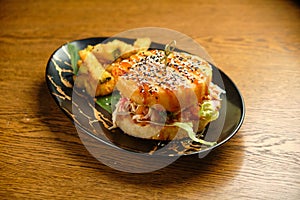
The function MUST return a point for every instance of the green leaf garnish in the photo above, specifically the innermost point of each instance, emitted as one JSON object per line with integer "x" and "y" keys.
{"x": 169, "y": 48}
{"x": 73, "y": 51}
{"x": 108, "y": 102}
{"x": 188, "y": 127}
{"x": 207, "y": 111}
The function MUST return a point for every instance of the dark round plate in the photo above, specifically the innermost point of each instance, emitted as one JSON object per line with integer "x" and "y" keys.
{"x": 93, "y": 120}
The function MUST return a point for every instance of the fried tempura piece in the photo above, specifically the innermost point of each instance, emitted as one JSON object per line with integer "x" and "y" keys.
{"x": 94, "y": 65}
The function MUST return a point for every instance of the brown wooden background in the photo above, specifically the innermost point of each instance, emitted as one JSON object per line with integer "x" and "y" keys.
{"x": 256, "y": 43}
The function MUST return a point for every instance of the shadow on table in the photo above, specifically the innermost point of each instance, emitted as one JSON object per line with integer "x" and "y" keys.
{"x": 295, "y": 2}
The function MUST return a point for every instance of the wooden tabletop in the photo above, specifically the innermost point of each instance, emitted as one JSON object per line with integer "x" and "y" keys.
{"x": 256, "y": 43}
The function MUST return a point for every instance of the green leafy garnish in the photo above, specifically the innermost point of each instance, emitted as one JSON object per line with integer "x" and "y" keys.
{"x": 73, "y": 51}
{"x": 207, "y": 111}
{"x": 188, "y": 127}
{"x": 169, "y": 48}
{"x": 109, "y": 101}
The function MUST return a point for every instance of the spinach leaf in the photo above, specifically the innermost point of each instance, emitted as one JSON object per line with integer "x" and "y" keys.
{"x": 108, "y": 102}
{"x": 73, "y": 51}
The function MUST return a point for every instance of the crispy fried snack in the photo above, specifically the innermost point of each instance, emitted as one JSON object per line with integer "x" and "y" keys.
{"x": 94, "y": 73}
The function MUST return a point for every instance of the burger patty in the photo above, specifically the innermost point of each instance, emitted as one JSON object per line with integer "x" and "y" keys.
{"x": 176, "y": 81}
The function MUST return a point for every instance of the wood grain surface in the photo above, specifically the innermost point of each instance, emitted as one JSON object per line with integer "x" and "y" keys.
{"x": 256, "y": 43}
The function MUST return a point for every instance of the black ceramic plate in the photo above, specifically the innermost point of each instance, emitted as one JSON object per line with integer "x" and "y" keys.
{"x": 93, "y": 120}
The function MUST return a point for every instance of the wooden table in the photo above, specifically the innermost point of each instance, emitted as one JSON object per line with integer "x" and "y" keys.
{"x": 256, "y": 43}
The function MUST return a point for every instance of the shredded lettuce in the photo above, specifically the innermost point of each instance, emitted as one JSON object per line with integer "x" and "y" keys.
{"x": 208, "y": 111}
{"x": 188, "y": 127}
{"x": 73, "y": 51}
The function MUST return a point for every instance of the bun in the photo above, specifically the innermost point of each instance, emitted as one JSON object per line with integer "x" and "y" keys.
{"x": 153, "y": 131}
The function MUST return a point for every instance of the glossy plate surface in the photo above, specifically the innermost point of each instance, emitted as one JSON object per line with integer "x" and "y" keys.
{"x": 94, "y": 121}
